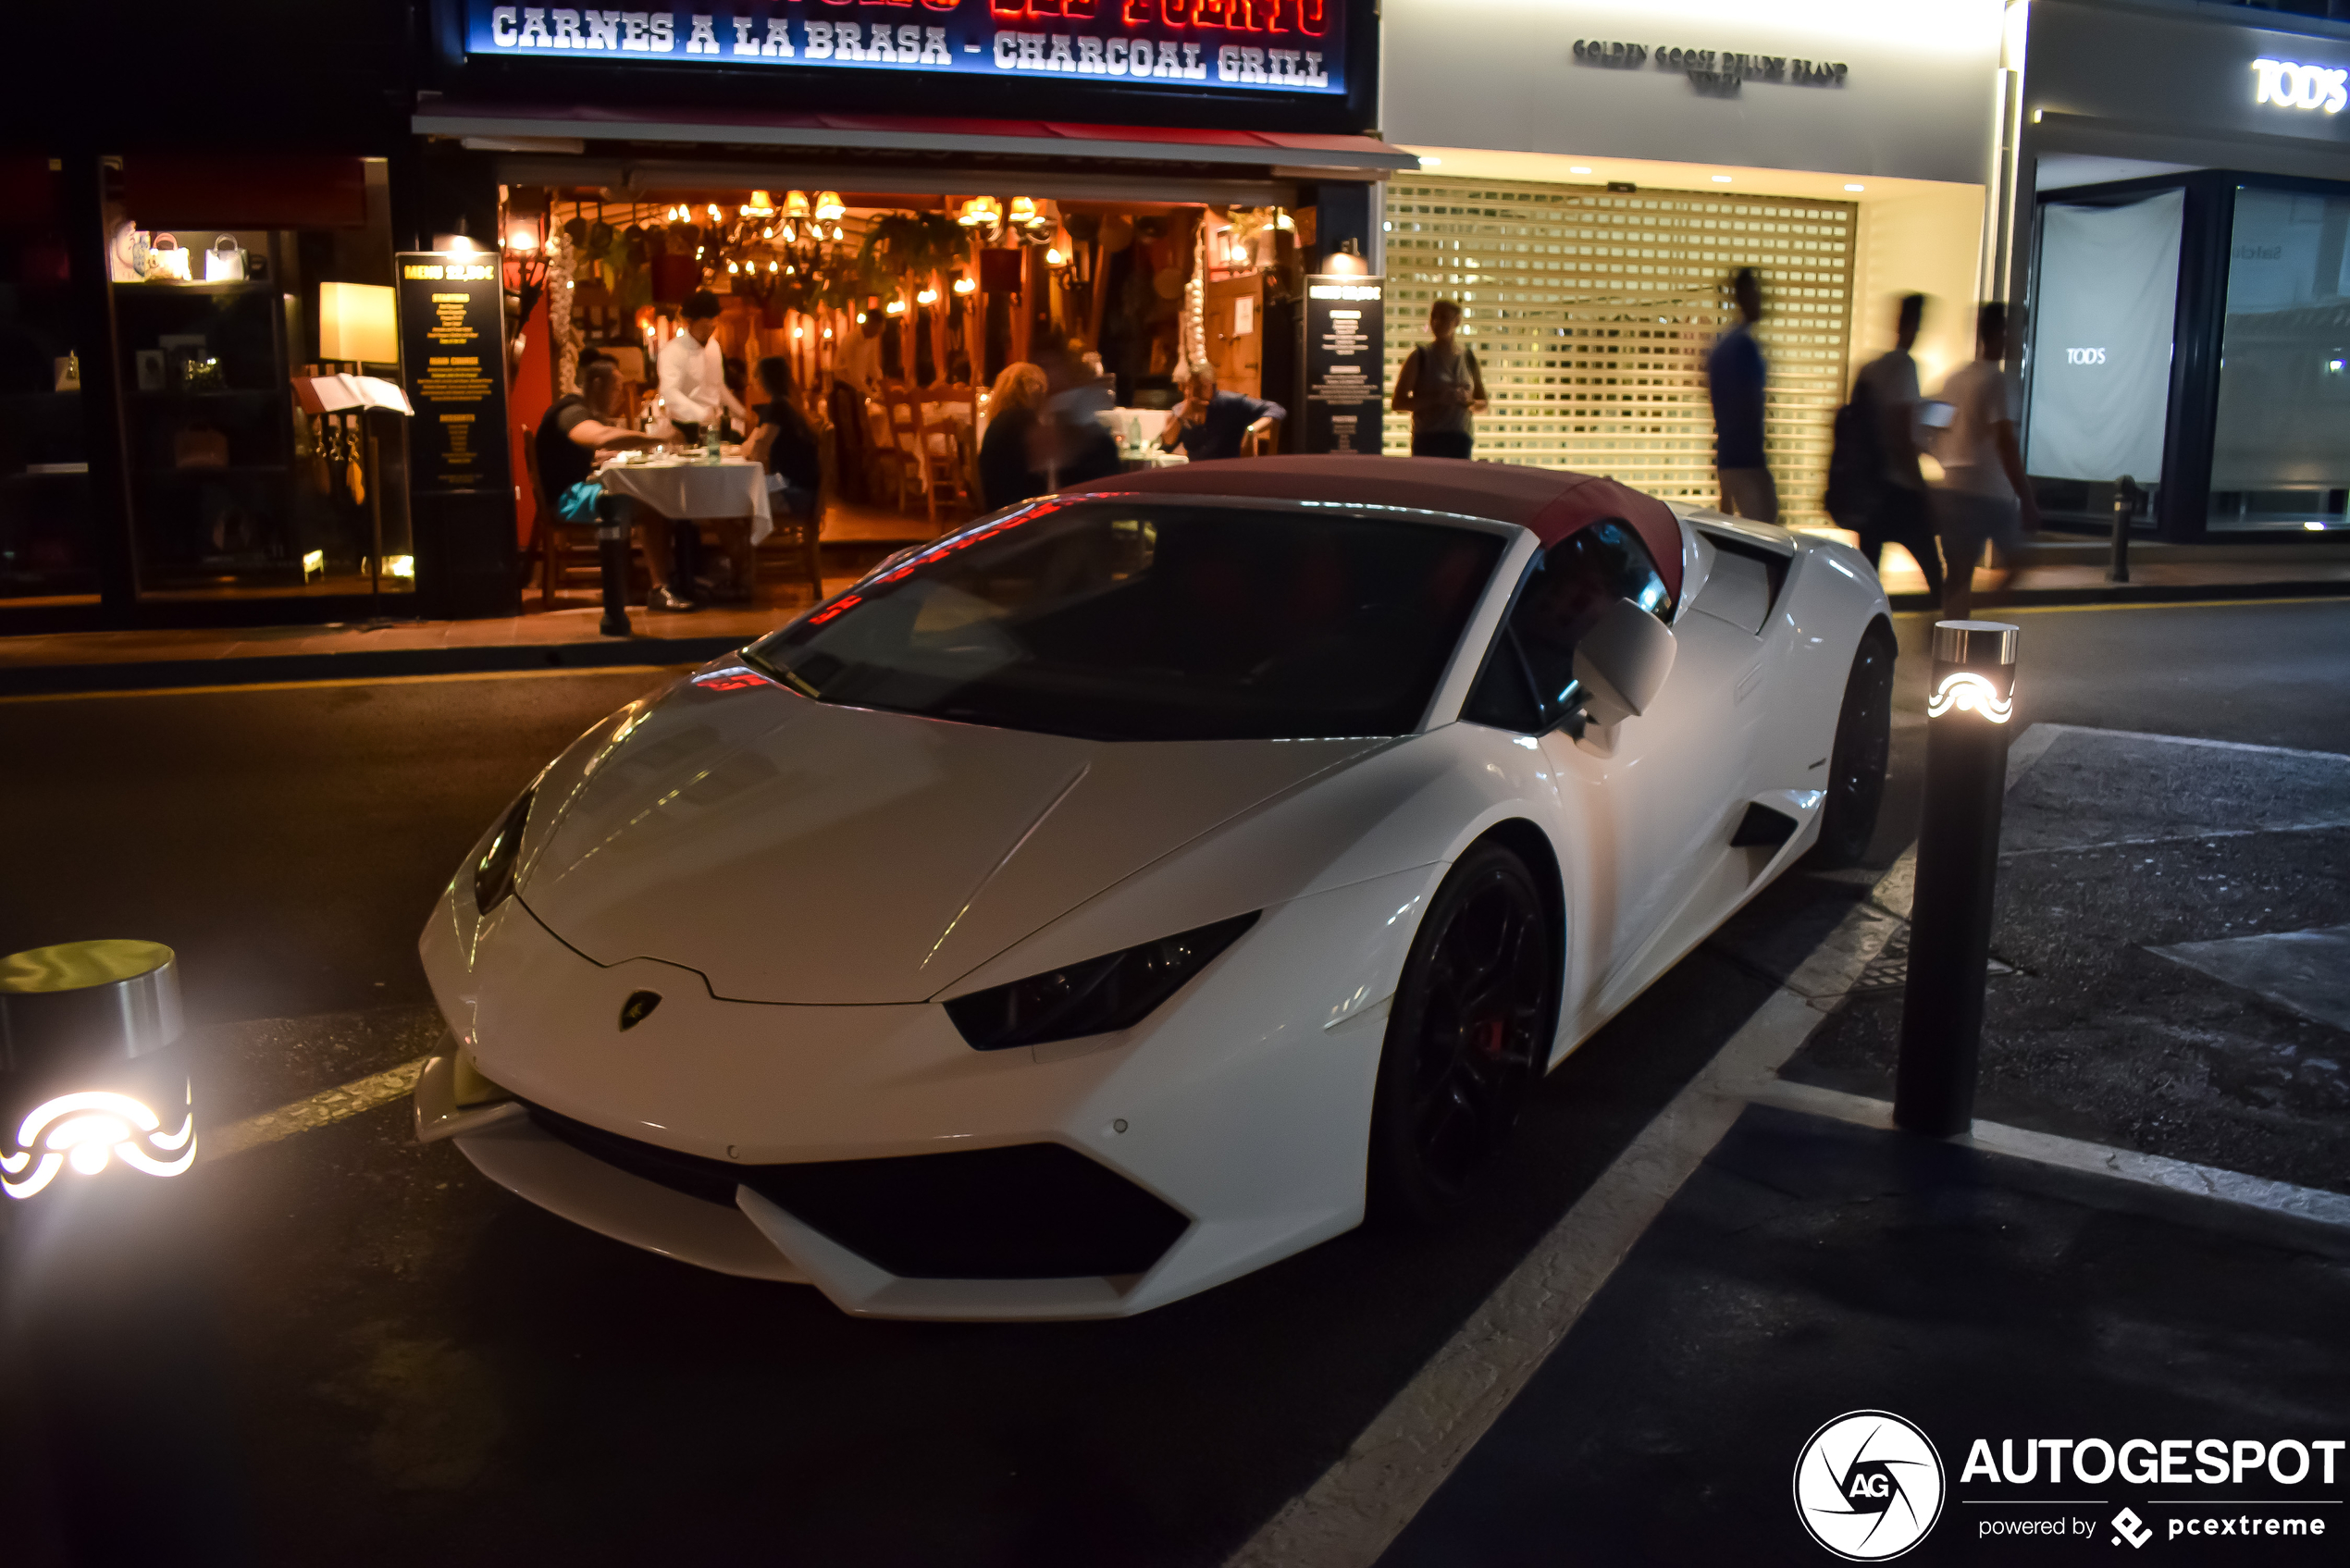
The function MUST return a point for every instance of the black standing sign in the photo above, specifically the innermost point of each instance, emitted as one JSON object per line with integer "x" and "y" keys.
{"x": 1346, "y": 360}
{"x": 452, "y": 352}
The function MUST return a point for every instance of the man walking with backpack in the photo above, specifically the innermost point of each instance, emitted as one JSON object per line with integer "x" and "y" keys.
{"x": 1875, "y": 487}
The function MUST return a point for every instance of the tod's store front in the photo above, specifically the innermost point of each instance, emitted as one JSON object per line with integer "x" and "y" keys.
{"x": 2187, "y": 265}
{"x": 291, "y": 376}
{"x": 1587, "y": 192}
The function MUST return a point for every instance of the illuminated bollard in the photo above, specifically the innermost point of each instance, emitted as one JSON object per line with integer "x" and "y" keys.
{"x": 93, "y": 1077}
{"x": 1970, "y": 708}
{"x": 109, "y": 1292}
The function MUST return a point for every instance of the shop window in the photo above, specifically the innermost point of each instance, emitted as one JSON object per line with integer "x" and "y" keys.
{"x": 1596, "y": 360}
{"x": 2107, "y": 292}
{"x": 45, "y": 554}
{"x": 218, "y": 268}
{"x": 2278, "y": 459}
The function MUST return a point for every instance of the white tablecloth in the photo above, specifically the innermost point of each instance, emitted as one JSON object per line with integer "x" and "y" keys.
{"x": 732, "y": 487}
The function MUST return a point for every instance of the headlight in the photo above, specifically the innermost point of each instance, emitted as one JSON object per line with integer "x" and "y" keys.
{"x": 1114, "y": 992}
{"x": 494, "y": 873}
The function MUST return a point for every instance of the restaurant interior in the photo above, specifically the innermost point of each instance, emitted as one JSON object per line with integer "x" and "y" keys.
{"x": 896, "y": 313}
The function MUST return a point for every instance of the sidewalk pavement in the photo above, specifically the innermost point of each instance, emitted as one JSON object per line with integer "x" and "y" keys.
{"x": 566, "y": 638}
{"x": 2053, "y": 570}
{"x": 1810, "y": 1269}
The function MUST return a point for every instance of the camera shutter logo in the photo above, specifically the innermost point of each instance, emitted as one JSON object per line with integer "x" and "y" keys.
{"x": 1868, "y": 1486}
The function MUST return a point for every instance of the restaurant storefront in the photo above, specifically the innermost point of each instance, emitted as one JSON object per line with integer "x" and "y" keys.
{"x": 1587, "y": 192}
{"x": 2185, "y": 270}
{"x": 289, "y": 378}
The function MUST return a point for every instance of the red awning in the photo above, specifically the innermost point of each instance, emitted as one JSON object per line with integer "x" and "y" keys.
{"x": 569, "y": 128}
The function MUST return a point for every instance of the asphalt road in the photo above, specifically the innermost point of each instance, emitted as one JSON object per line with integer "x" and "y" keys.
{"x": 413, "y": 1364}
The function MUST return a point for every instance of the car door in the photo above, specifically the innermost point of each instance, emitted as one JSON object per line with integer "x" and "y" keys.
{"x": 1641, "y": 799}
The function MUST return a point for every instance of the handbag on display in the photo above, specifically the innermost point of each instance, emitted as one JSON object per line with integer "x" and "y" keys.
{"x": 199, "y": 448}
{"x": 166, "y": 260}
{"x": 225, "y": 261}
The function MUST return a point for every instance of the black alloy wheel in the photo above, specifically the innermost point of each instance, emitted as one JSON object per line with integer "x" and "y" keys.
{"x": 1863, "y": 747}
{"x": 1467, "y": 1037}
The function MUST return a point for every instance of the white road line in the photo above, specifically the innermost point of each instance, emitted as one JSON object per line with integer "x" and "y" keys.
{"x": 1362, "y": 1502}
{"x": 2056, "y": 731}
{"x": 2072, "y": 1153}
{"x": 322, "y": 1109}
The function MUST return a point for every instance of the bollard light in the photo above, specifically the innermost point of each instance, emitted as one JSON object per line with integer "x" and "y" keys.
{"x": 1970, "y": 714}
{"x": 91, "y": 1071}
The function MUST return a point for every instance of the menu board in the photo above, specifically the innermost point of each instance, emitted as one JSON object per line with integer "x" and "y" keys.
{"x": 453, "y": 358}
{"x": 1345, "y": 364}
{"x": 1291, "y": 46}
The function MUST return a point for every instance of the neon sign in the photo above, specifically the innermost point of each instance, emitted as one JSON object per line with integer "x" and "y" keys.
{"x": 1256, "y": 45}
{"x": 2292, "y": 86}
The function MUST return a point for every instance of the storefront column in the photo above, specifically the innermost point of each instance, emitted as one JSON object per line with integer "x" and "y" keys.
{"x": 84, "y": 177}
{"x": 2183, "y": 509}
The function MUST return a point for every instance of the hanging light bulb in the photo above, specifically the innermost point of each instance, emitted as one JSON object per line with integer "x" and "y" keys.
{"x": 895, "y": 307}
{"x": 799, "y": 331}
{"x": 1023, "y": 213}
{"x": 860, "y": 318}
{"x": 836, "y": 231}
{"x": 790, "y": 271}
{"x": 829, "y": 207}
{"x": 828, "y": 331}
{"x": 732, "y": 268}
{"x": 1053, "y": 257}
{"x": 980, "y": 212}
{"x": 790, "y": 235}
{"x": 759, "y": 206}
{"x": 768, "y": 232}
{"x": 715, "y": 215}
{"x": 927, "y": 297}
{"x": 963, "y": 285}
{"x": 795, "y": 205}
{"x": 773, "y": 265}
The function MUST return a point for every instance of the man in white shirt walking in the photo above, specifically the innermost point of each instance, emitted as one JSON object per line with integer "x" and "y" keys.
{"x": 1984, "y": 494}
{"x": 693, "y": 371}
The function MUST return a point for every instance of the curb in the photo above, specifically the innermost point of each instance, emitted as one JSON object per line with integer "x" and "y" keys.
{"x": 2134, "y": 593}
{"x": 45, "y": 680}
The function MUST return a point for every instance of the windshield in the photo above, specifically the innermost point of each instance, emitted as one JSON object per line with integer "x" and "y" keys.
{"x": 1143, "y": 620}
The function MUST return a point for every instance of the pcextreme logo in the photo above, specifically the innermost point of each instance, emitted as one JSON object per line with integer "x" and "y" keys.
{"x": 1868, "y": 1486}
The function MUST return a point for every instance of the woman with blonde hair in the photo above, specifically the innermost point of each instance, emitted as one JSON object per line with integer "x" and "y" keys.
{"x": 1009, "y": 471}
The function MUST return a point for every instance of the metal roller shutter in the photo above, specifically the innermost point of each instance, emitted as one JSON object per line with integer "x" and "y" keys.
{"x": 1591, "y": 313}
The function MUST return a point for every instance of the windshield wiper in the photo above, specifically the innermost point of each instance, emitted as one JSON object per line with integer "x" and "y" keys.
{"x": 770, "y": 668}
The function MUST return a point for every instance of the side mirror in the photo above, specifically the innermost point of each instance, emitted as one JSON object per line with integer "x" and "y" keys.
{"x": 1622, "y": 662}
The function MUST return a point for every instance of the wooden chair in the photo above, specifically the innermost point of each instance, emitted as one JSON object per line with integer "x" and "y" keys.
{"x": 563, "y": 548}
{"x": 946, "y": 446}
{"x": 900, "y": 458}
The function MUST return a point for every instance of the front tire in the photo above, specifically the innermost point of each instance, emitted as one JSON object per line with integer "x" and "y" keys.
{"x": 1863, "y": 747}
{"x": 1467, "y": 1037}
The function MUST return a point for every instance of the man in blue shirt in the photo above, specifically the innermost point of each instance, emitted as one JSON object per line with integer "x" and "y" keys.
{"x": 1210, "y": 424}
{"x": 1736, "y": 376}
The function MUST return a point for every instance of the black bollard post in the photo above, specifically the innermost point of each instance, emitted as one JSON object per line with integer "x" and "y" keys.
{"x": 106, "y": 1277}
{"x": 1969, "y": 710}
{"x": 2125, "y": 506}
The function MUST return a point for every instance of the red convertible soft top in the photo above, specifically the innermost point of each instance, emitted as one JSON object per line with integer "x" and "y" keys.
{"x": 1552, "y": 502}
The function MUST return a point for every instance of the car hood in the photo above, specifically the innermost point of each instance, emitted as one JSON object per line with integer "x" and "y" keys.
{"x": 798, "y": 852}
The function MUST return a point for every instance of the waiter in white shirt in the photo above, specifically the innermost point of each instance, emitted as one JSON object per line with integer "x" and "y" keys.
{"x": 693, "y": 371}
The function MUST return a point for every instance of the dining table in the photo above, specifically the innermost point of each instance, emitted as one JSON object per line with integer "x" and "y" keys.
{"x": 693, "y": 489}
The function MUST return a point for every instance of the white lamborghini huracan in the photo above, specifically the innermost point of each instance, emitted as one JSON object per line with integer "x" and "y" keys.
{"x": 1144, "y": 883}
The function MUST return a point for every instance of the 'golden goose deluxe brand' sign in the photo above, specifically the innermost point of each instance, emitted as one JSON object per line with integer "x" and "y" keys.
{"x": 1254, "y": 45}
{"x": 1711, "y": 70}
